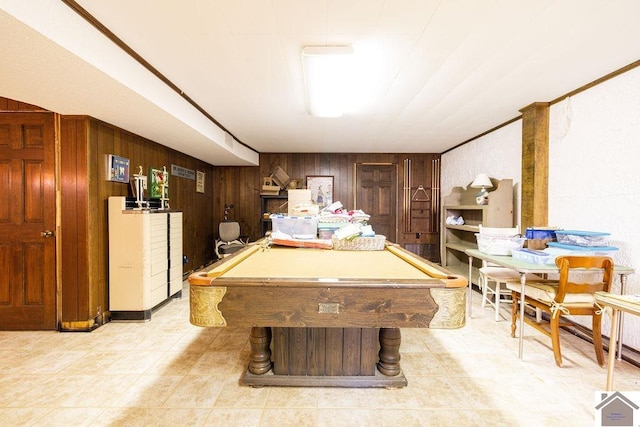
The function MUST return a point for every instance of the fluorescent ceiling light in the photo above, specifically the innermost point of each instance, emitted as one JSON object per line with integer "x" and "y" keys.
{"x": 328, "y": 79}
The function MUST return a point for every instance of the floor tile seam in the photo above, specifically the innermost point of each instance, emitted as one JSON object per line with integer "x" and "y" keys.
{"x": 96, "y": 417}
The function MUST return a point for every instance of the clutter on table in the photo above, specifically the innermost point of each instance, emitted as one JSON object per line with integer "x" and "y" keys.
{"x": 331, "y": 227}
{"x": 560, "y": 242}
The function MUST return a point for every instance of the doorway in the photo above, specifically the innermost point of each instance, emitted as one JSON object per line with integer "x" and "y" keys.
{"x": 27, "y": 222}
{"x": 376, "y": 193}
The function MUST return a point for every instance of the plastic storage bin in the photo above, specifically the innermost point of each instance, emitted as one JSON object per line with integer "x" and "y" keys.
{"x": 498, "y": 245}
{"x": 583, "y": 238}
{"x": 558, "y": 248}
{"x": 298, "y": 227}
{"x": 540, "y": 233}
{"x": 533, "y": 256}
{"x": 537, "y": 238}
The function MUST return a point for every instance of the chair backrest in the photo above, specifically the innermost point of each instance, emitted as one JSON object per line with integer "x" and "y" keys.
{"x": 229, "y": 230}
{"x": 599, "y": 271}
{"x": 499, "y": 231}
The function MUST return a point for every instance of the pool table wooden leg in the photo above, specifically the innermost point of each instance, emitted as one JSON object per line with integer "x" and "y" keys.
{"x": 389, "y": 363}
{"x": 260, "y": 355}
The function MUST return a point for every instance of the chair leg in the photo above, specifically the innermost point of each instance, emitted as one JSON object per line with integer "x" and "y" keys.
{"x": 514, "y": 312}
{"x": 482, "y": 281}
{"x": 497, "y": 301}
{"x": 597, "y": 339}
{"x": 555, "y": 338}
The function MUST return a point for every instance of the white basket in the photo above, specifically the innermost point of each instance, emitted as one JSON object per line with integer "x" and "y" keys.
{"x": 375, "y": 243}
{"x": 499, "y": 245}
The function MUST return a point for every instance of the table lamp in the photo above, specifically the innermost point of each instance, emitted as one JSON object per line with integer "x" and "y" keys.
{"x": 482, "y": 181}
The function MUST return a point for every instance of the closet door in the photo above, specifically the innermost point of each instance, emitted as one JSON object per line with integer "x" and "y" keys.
{"x": 376, "y": 187}
{"x": 27, "y": 222}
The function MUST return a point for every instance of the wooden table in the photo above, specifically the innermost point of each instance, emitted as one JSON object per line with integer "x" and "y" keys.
{"x": 525, "y": 268}
{"x": 619, "y": 303}
{"x": 323, "y": 317}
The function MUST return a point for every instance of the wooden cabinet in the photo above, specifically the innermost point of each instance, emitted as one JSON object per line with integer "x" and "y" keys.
{"x": 145, "y": 259}
{"x": 455, "y": 239}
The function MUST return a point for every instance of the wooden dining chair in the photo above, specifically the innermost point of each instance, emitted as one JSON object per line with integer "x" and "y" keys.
{"x": 572, "y": 294}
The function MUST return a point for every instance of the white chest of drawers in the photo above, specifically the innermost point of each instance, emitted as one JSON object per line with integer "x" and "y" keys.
{"x": 145, "y": 260}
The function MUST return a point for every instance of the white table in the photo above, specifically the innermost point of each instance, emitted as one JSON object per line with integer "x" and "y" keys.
{"x": 619, "y": 303}
{"x": 524, "y": 268}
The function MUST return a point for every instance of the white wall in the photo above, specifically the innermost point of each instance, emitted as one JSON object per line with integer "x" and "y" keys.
{"x": 497, "y": 154}
{"x": 594, "y": 170}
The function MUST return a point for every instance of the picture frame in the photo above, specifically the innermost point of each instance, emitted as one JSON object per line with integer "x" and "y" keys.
{"x": 199, "y": 181}
{"x": 117, "y": 168}
{"x": 321, "y": 187}
{"x": 159, "y": 180}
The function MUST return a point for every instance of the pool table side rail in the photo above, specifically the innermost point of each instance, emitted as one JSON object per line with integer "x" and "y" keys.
{"x": 216, "y": 300}
{"x": 437, "y": 275}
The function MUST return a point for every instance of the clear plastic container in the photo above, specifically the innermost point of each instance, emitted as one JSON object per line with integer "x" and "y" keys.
{"x": 298, "y": 227}
{"x": 498, "y": 245}
{"x": 582, "y": 238}
{"x": 532, "y": 256}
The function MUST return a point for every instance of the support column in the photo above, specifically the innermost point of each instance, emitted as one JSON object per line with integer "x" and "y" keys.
{"x": 535, "y": 165}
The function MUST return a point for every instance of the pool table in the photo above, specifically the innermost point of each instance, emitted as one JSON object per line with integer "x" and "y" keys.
{"x": 322, "y": 317}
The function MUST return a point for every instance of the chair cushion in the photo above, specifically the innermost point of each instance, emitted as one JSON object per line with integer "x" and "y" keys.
{"x": 503, "y": 274}
{"x": 545, "y": 291}
{"x": 230, "y": 248}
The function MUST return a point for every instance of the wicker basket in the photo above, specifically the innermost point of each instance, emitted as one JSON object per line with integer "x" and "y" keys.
{"x": 375, "y": 243}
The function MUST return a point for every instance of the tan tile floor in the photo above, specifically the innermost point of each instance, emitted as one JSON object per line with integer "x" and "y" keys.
{"x": 168, "y": 372}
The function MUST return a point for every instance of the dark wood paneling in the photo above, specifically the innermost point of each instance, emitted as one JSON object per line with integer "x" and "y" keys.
{"x": 74, "y": 209}
{"x": 11, "y": 105}
{"x": 325, "y": 351}
{"x": 85, "y": 143}
{"x": 241, "y": 185}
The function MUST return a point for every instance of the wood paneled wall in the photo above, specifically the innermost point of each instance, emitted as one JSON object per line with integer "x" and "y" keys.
{"x": 85, "y": 143}
{"x": 241, "y": 185}
{"x": 12, "y": 105}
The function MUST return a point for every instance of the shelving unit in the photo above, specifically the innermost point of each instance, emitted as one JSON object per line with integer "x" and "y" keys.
{"x": 270, "y": 203}
{"x": 456, "y": 239}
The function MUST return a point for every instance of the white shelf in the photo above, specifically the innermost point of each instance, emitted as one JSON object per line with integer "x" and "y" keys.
{"x": 456, "y": 239}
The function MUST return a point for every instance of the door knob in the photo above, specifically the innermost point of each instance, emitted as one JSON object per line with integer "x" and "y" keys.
{"x": 47, "y": 233}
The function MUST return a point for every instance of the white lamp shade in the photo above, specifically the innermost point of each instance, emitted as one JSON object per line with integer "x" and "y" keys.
{"x": 482, "y": 181}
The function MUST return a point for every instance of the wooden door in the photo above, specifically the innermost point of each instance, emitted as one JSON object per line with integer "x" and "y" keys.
{"x": 27, "y": 222}
{"x": 376, "y": 195}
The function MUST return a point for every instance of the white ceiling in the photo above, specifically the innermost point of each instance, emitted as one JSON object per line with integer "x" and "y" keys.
{"x": 444, "y": 71}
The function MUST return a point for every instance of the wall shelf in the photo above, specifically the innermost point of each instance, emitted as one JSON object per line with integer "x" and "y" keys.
{"x": 456, "y": 239}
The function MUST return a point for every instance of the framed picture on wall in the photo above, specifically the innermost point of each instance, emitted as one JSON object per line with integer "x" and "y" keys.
{"x": 321, "y": 189}
{"x": 159, "y": 183}
{"x": 117, "y": 168}
{"x": 199, "y": 181}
